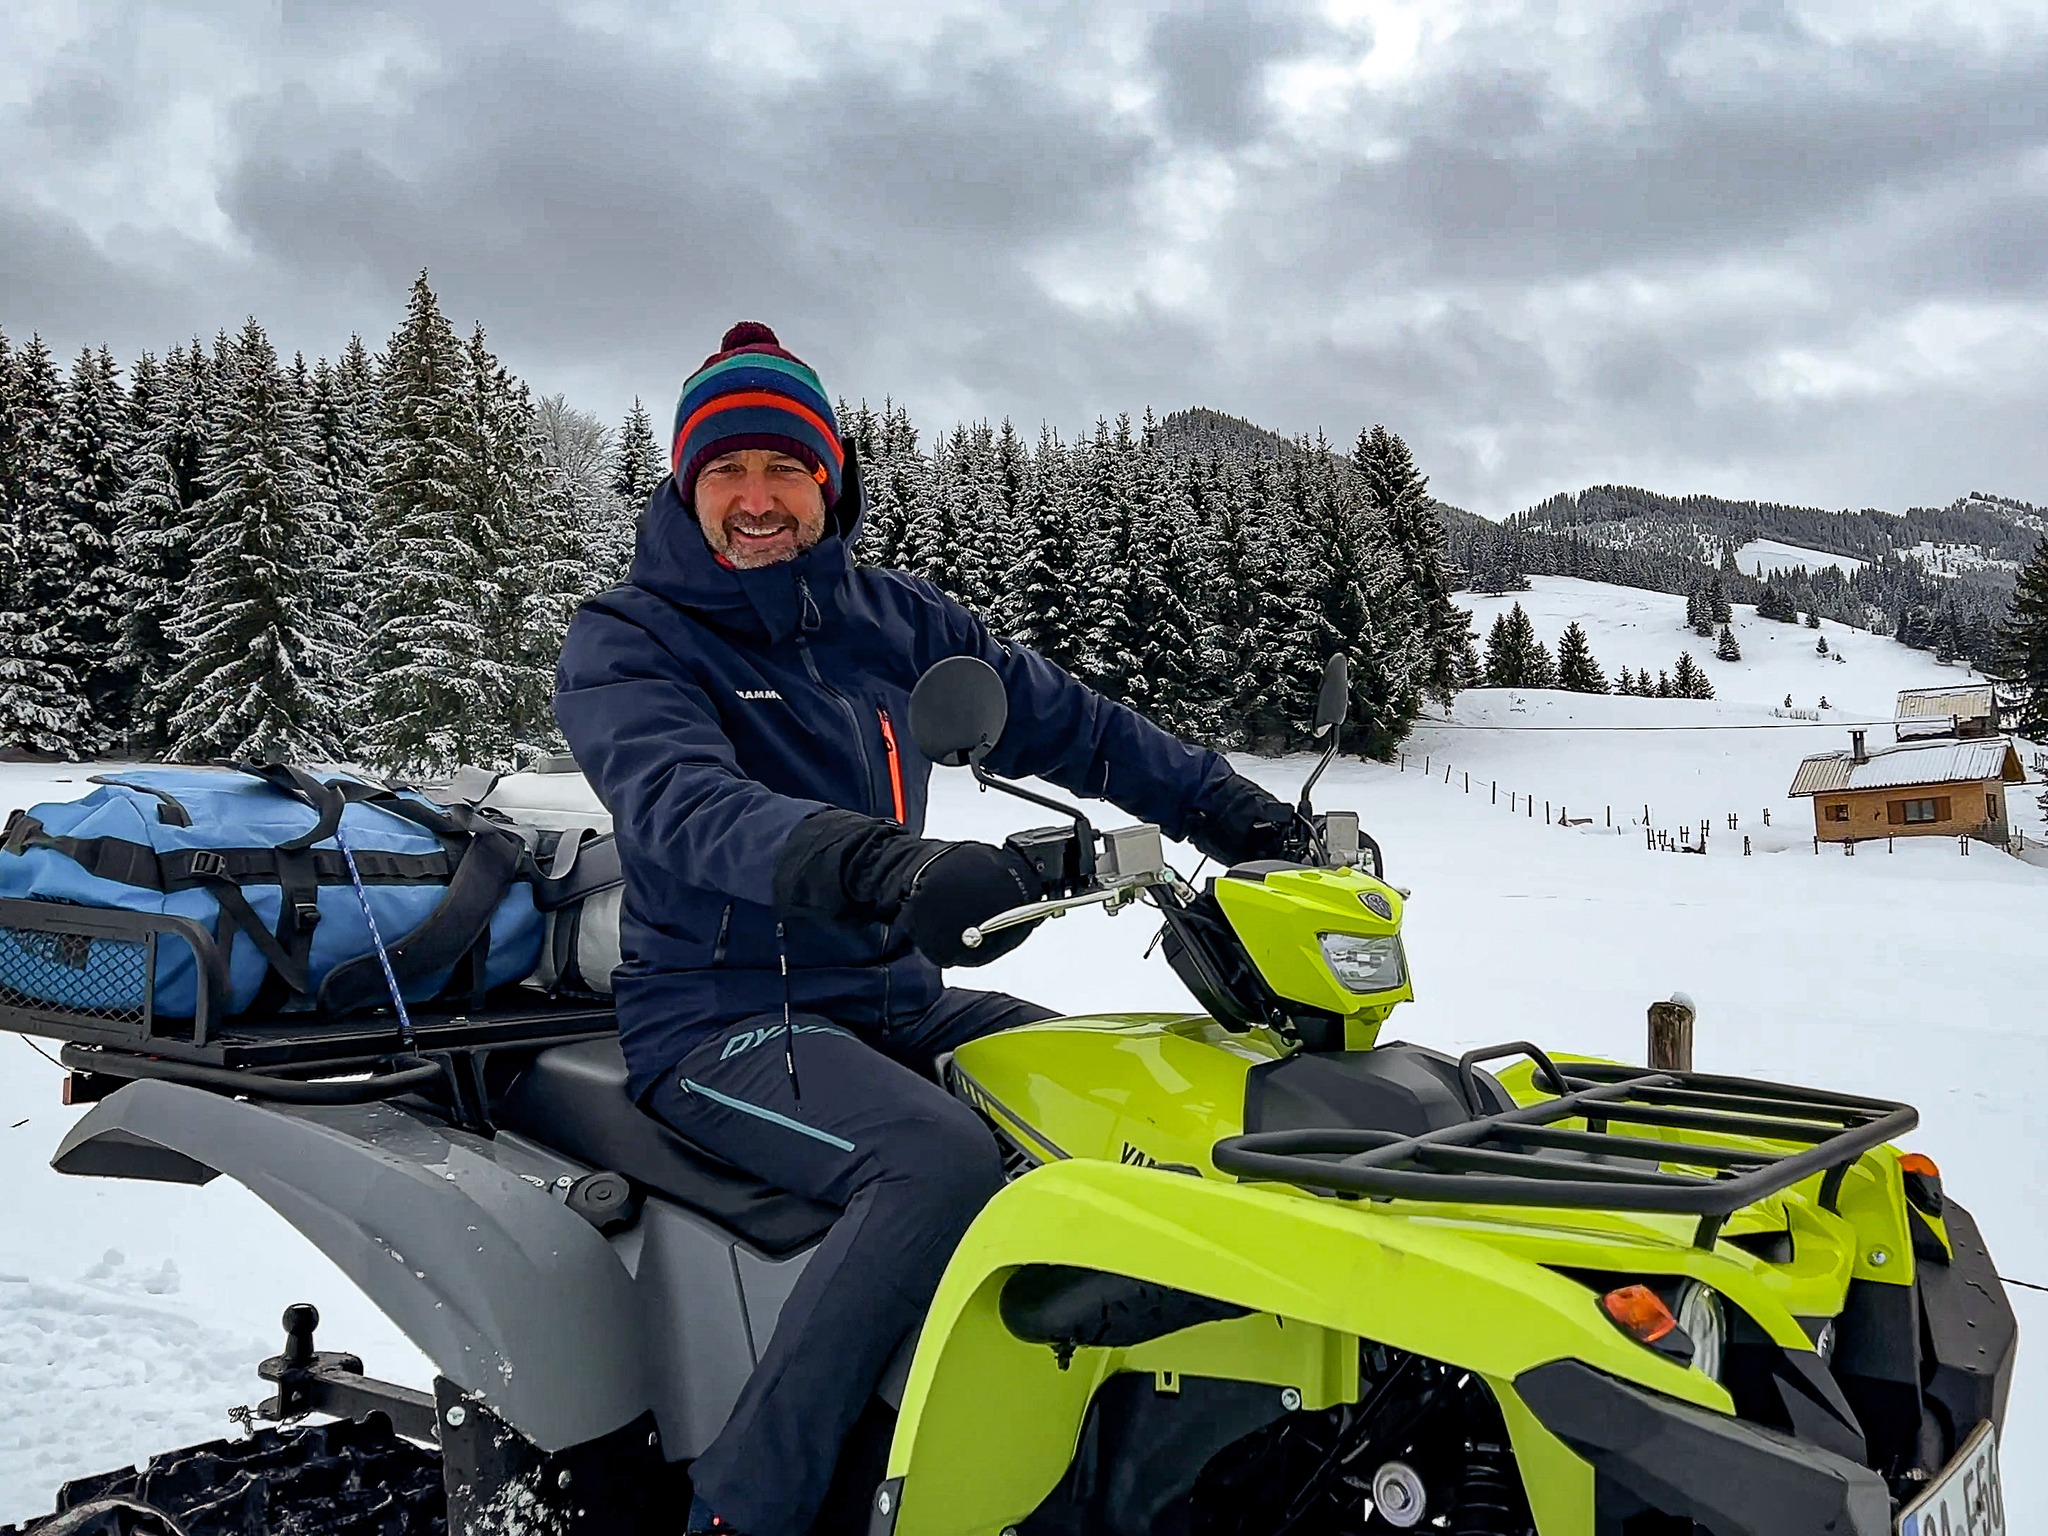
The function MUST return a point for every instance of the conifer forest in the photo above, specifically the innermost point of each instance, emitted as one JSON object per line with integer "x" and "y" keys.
{"x": 222, "y": 553}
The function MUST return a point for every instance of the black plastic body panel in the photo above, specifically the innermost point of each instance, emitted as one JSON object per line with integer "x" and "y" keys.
{"x": 1971, "y": 1337}
{"x": 1406, "y": 1089}
{"x": 1725, "y": 1475}
{"x": 1877, "y": 1363}
{"x": 497, "y": 1480}
{"x": 1140, "y": 1452}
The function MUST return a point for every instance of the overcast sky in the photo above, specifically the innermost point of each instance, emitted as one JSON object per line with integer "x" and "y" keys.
{"x": 1785, "y": 250}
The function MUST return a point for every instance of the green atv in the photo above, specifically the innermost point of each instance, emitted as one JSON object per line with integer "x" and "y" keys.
{"x": 1256, "y": 1270}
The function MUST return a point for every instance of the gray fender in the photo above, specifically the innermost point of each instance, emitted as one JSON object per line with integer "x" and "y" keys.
{"x": 506, "y": 1290}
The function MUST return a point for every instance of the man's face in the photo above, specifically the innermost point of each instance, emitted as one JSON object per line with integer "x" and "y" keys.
{"x": 759, "y": 507}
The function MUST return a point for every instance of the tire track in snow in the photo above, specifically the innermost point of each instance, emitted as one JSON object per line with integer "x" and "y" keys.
{"x": 98, "y": 1374}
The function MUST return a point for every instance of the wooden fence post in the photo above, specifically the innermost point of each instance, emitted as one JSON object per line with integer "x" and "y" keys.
{"x": 1671, "y": 1034}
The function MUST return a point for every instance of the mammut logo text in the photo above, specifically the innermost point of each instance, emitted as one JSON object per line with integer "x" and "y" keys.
{"x": 760, "y": 693}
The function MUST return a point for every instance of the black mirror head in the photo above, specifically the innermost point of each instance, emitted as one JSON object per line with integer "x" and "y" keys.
{"x": 958, "y": 710}
{"x": 1333, "y": 700}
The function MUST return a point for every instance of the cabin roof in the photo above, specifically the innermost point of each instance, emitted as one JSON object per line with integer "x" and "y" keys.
{"x": 1938, "y": 762}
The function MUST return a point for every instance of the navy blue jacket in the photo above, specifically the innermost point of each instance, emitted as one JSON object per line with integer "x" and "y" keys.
{"x": 714, "y": 709}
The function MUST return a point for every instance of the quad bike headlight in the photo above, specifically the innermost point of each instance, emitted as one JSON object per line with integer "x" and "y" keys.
{"x": 1705, "y": 1321}
{"x": 1364, "y": 965}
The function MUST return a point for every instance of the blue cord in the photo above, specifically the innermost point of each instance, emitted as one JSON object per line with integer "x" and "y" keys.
{"x": 383, "y": 958}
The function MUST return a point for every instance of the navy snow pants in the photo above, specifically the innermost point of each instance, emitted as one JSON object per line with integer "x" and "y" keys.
{"x": 908, "y": 1165}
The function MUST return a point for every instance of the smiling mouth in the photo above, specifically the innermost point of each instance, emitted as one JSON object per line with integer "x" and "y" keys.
{"x": 747, "y": 531}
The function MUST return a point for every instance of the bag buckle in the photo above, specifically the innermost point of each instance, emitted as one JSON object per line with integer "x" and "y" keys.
{"x": 208, "y": 865}
{"x": 307, "y": 912}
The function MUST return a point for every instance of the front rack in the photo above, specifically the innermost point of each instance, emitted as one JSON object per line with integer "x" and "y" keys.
{"x": 1524, "y": 1157}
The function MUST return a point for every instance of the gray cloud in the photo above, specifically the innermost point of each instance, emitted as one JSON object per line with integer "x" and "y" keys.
{"x": 1700, "y": 245}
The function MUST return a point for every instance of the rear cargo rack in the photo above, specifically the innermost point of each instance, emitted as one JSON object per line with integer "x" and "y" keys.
{"x": 86, "y": 976}
{"x": 1525, "y": 1157}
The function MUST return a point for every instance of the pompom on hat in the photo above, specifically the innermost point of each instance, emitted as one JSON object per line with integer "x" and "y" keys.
{"x": 753, "y": 394}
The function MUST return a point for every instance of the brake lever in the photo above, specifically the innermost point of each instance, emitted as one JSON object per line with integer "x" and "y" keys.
{"x": 1115, "y": 896}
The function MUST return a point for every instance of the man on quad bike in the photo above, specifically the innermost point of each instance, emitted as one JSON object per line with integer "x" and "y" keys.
{"x": 740, "y": 704}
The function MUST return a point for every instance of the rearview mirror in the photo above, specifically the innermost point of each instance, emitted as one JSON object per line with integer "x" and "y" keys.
{"x": 1333, "y": 702}
{"x": 958, "y": 710}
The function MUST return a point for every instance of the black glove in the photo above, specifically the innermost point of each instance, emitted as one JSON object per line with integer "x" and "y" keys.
{"x": 855, "y": 868}
{"x": 1236, "y": 822}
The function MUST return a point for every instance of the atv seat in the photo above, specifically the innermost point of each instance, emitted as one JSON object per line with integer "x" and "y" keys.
{"x": 573, "y": 1098}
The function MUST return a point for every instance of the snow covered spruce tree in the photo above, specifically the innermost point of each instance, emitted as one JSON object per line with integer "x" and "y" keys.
{"x": 86, "y": 482}
{"x": 162, "y": 485}
{"x": 1688, "y": 681}
{"x": 344, "y": 412}
{"x": 1397, "y": 493}
{"x": 636, "y": 470}
{"x": 1576, "y": 668}
{"x": 1357, "y": 597}
{"x": 530, "y": 529}
{"x": 422, "y": 704}
{"x": 1250, "y": 612}
{"x": 2024, "y": 637}
{"x": 1111, "y": 650}
{"x": 42, "y": 707}
{"x": 257, "y": 647}
{"x": 475, "y": 558}
{"x": 1174, "y": 680}
{"x": 1041, "y": 581}
{"x": 1727, "y": 649}
{"x": 1515, "y": 657}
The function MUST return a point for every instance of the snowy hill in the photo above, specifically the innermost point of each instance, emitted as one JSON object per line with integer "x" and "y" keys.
{"x": 131, "y": 1316}
{"x": 1637, "y": 629}
{"x": 1761, "y": 557}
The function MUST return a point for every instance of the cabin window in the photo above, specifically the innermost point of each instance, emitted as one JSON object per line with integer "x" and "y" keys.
{"x": 1921, "y": 811}
{"x": 1991, "y": 807}
{"x": 1839, "y": 811}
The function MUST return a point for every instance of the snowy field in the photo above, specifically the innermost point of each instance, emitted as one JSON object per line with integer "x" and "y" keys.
{"x": 131, "y": 1317}
{"x": 1636, "y": 629}
{"x": 1760, "y": 557}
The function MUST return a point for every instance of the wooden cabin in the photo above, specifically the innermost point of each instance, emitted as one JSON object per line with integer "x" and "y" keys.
{"x": 1967, "y": 713}
{"x": 1941, "y": 788}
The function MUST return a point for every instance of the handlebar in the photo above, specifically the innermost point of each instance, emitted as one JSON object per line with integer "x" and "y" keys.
{"x": 1133, "y": 862}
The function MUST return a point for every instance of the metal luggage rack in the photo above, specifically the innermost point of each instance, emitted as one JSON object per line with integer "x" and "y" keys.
{"x": 1524, "y": 1157}
{"x": 59, "y": 955}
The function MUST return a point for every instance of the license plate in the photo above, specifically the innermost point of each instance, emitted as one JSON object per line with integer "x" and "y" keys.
{"x": 1965, "y": 1500}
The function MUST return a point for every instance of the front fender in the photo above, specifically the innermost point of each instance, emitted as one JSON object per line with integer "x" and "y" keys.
{"x": 989, "y": 1423}
{"x": 507, "y": 1291}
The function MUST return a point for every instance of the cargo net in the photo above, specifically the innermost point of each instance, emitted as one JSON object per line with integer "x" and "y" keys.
{"x": 79, "y": 975}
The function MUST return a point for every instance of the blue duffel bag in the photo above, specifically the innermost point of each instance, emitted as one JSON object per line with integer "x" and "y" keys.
{"x": 255, "y": 855}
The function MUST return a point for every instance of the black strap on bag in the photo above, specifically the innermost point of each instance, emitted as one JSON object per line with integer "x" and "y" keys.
{"x": 456, "y": 935}
{"x": 458, "y": 927}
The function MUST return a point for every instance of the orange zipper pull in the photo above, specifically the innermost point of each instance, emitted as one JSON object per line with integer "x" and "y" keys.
{"x": 895, "y": 765}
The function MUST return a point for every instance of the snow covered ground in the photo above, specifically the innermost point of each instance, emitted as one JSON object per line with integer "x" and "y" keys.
{"x": 1760, "y": 557}
{"x": 1957, "y": 559}
{"x": 1637, "y": 629}
{"x": 131, "y": 1317}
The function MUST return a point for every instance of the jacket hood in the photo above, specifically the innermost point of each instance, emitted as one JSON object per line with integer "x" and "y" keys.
{"x": 672, "y": 560}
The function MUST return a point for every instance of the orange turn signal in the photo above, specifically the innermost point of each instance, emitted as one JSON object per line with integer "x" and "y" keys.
{"x": 1639, "y": 1312}
{"x": 1920, "y": 1163}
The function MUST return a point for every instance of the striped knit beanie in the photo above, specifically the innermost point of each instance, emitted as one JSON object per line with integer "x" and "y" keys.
{"x": 752, "y": 394}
